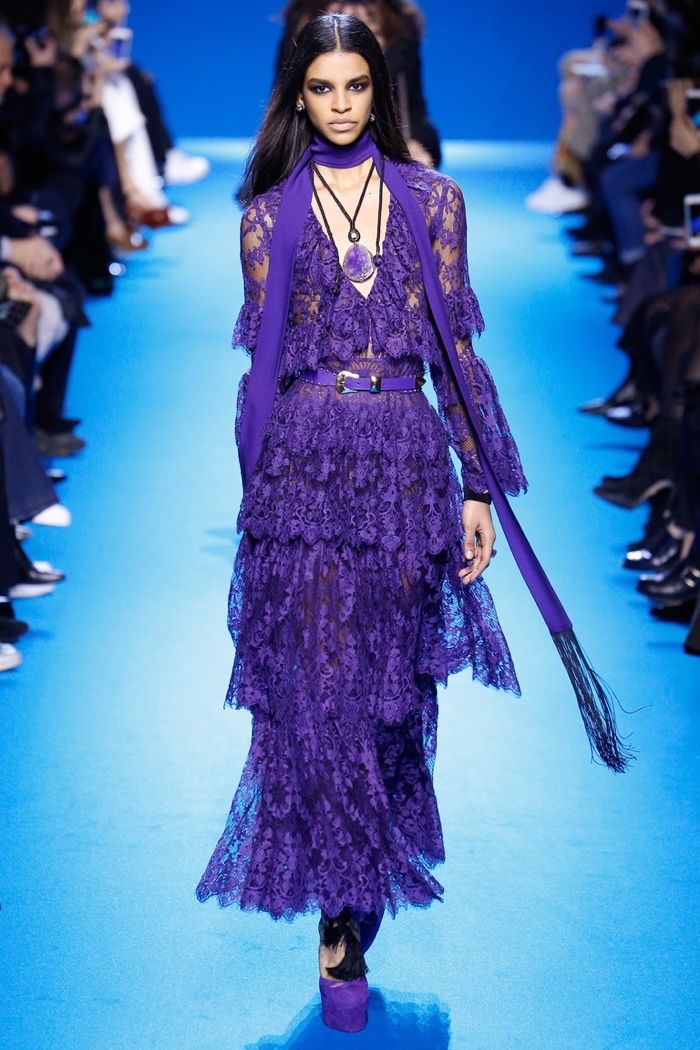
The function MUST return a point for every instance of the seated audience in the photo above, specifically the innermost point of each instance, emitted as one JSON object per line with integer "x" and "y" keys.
{"x": 628, "y": 156}
{"x": 84, "y": 154}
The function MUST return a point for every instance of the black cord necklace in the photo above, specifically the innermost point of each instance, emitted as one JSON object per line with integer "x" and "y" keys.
{"x": 358, "y": 264}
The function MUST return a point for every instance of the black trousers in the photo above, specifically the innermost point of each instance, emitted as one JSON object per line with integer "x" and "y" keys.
{"x": 27, "y": 490}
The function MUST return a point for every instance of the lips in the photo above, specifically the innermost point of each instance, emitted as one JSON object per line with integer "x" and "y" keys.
{"x": 342, "y": 125}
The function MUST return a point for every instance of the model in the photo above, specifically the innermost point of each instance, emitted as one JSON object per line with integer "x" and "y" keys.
{"x": 357, "y": 585}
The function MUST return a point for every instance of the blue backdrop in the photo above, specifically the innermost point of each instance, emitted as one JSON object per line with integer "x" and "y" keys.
{"x": 490, "y": 67}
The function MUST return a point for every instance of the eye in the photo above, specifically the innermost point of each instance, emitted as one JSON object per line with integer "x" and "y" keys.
{"x": 361, "y": 86}
{"x": 319, "y": 89}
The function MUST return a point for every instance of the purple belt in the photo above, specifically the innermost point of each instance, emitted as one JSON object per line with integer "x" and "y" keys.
{"x": 368, "y": 384}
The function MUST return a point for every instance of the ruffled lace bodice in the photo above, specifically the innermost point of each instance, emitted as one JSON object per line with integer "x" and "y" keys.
{"x": 393, "y": 324}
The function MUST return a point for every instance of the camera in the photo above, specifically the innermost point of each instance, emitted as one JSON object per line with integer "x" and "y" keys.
{"x": 120, "y": 39}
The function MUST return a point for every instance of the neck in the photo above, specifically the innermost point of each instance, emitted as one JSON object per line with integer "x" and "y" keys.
{"x": 328, "y": 155}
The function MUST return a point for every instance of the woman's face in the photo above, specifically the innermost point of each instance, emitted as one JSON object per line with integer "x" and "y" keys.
{"x": 337, "y": 96}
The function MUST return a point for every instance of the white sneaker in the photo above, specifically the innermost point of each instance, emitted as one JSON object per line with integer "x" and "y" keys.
{"x": 9, "y": 656}
{"x": 56, "y": 515}
{"x": 183, "y": 168}
{"x": 30, "y": 590}
{"x": 554, "y": 198}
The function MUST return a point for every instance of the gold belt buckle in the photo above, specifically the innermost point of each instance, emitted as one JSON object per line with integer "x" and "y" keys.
{"x": 340, "y": 381}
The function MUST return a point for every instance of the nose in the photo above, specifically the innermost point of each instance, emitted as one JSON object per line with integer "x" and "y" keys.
{"x": 341, "y": 102}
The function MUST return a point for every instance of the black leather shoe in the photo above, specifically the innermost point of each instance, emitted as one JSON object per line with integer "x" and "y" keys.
{"x": 29, "y": 573}
{"x": 675, "y": 613}
{"x": 597, "y": 407}
{"x": 678, "y": 586}
{"x": 34, "y": 575}
{"x": 659, "y": 556}
{"x": 596, "y": 246}
{"x": 58, "y": 425}
{"x": 10, "y": 628}
{"x": 612, "y": 273}
{"x": 59, "y": 445}
{"x": 636, "y": 414}
{"x": 625, "y": 394}
{"x": 624, "y": 492}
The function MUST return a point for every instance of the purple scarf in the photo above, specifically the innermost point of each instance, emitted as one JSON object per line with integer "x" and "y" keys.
{"x": 594, "y": 699}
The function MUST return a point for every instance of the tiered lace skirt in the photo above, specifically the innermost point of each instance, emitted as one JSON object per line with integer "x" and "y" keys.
{"x": 345, "y": 610}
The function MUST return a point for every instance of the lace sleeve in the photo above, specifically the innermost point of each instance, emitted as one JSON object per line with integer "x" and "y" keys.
{"x": 256, "y": 237}
{"x": 448, "y": 226}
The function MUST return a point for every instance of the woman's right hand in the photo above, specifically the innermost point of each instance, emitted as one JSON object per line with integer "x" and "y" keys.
{"x": 479, "y": 537}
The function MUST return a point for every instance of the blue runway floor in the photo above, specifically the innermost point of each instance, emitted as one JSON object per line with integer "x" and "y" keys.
{"x": 570, "y": 918}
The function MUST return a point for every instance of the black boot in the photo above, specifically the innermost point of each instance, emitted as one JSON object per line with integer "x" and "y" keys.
{"x": 654, "y": 472}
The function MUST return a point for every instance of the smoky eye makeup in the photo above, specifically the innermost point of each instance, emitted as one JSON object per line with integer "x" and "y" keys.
{"x": 320, "y": 87}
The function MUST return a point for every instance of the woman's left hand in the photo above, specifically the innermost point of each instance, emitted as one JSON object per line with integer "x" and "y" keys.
{"x": 479, "y": 536}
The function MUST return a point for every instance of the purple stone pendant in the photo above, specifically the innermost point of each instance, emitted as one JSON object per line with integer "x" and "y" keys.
{"x": 358, "y": 263}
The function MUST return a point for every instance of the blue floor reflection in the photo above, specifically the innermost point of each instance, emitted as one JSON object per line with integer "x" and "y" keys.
{"x": 395, "y": 1023}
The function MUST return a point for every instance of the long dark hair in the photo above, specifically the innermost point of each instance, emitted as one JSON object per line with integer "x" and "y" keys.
{"x": 285, "y": 134}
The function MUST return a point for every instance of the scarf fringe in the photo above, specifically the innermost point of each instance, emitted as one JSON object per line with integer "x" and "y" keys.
{"x": 596, "y": 703}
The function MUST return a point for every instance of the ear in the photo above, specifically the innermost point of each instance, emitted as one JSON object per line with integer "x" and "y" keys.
{"x": 300, "y": 101}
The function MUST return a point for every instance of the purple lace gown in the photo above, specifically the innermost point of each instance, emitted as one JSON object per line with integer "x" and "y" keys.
{"x": 346, "y": 608}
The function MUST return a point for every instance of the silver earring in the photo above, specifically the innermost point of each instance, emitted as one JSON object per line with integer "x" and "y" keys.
{"x": 372, "y": 117}
{"x": 300, "y": 107}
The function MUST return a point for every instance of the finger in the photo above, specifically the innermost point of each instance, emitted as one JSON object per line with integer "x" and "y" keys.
{"x": 483, "y": 554}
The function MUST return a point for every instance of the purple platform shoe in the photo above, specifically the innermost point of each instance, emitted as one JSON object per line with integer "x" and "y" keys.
{"x": 344, "y": 993}
{"x": 344, "y": 1003}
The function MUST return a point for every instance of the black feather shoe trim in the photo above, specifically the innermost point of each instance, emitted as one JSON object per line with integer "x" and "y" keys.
{"x": 338, "y": 931}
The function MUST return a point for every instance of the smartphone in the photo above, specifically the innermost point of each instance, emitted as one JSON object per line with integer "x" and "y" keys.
{"x": 637, "y": 11}
{"x": 120, "y": 39}
{"x": 692, "y": 105}
{"x": 691, "y": 210}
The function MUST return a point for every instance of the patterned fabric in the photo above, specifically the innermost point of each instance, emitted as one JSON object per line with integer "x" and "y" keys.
{"x": 346, "y": 607}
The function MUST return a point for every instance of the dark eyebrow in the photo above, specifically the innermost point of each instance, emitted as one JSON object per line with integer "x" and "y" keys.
{"x": 327, "y": 83}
